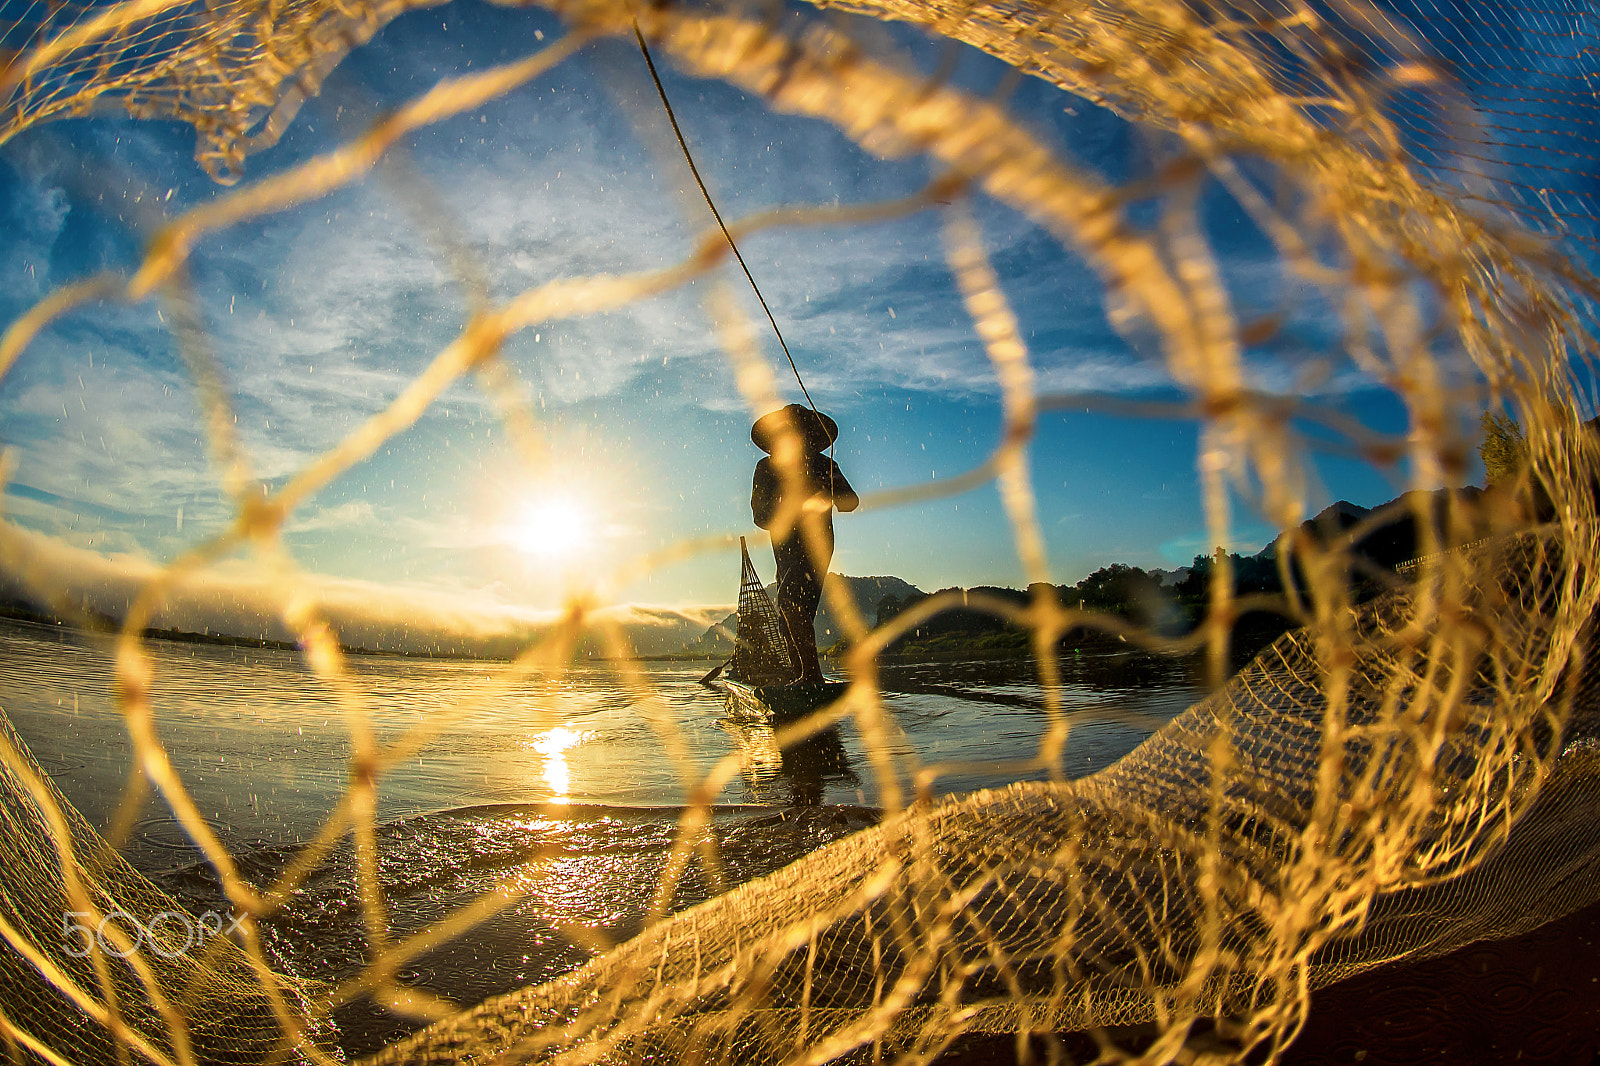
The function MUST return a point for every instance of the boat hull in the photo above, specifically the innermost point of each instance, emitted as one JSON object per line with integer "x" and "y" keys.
{"x": 779, "y": 704}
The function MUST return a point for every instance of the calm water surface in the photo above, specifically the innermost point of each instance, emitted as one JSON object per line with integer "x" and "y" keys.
{"x": 262, "y": 743}
{"x": 562, "y": 788}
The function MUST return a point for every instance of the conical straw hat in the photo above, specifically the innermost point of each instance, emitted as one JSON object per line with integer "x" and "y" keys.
{"x": 817, "y": 429}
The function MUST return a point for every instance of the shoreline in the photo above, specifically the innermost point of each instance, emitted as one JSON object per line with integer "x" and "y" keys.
{"x": 1249, "y": 639}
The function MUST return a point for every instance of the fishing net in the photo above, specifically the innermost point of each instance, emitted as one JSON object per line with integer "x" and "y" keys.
{"x": 760, "y": 654}
{"x": 1411, "y": 769}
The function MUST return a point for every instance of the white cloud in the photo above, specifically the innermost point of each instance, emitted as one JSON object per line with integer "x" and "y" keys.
{"x": 1246, "y": 539}
{"x": 244, "y": 598}
{"x": 98, "y": 423}
{"x": 33, "y": 221}
{"x": 343, "y": 516}
{"x": 322, "y": 314}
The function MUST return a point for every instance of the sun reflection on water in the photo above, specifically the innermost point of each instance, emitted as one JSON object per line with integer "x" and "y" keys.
{"x": 554, "y": 744}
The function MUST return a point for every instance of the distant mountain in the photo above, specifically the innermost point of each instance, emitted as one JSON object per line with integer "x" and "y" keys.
{"x": 868, "y": 592}
{"x": 1394, "y": 539}
{"x": 1167, "y": 601}
{"x": 1169, "y": 578}
{"x": 1327, "y": 524}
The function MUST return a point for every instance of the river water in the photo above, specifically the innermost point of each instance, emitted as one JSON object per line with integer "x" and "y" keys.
{"x": 564, "y": 788}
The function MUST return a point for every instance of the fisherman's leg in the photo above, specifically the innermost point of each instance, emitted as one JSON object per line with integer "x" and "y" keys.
{"x": 804, "y": 596}
{"x": 799, "y": 594}
{"x": 803, "y": 654}
{"x": 791, "y": 560}
{"x": 797, "y": 608}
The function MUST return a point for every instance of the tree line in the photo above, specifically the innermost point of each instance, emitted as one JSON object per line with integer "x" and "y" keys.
{"x": 1172, "y": 604}
{"x": 1148, "y": 600}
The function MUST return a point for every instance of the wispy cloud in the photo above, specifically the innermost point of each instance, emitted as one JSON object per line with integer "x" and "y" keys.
{"x": 247, "y": 599}
{"x": 320, "y": 315}
{"x": 1246, "y": 539}
{"x": 33, "y": 218}
{"x": 342, "y": 516}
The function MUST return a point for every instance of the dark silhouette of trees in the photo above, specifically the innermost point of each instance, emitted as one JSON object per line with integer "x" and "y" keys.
{"x": 890, "y": 606}
{"x": 1376, "y": 542}
{"x": 1251, "y": 573}
{"x": 1119, "y": 589}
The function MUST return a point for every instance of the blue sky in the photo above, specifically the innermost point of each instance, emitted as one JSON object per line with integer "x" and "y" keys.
{"x": 321, "y": 314}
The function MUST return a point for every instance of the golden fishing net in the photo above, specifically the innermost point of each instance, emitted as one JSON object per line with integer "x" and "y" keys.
{"x": 1393, "y": 779}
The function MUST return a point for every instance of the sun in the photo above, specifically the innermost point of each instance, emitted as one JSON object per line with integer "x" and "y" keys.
{"x": 555, "y": 527}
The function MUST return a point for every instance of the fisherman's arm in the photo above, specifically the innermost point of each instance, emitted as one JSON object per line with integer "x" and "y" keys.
{"x": 764, "y": 494}
{"x": 844, "y": 497}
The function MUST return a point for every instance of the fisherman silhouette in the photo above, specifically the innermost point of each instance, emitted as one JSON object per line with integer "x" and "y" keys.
{"x": 801, "y": 524}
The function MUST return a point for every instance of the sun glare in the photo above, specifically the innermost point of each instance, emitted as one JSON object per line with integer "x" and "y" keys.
{"x": 553, "y": 528}
{"x": 554, "y": 745}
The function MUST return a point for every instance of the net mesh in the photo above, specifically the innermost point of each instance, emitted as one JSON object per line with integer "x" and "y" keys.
{"x": 1400, "y": 775}
{"x": 760, "y": 655}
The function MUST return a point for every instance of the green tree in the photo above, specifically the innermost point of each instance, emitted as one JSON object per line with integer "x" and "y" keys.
{"x": 888, "y": 607}
{"x": 1504, "y": 448}
{"x": 1119, "y": 589}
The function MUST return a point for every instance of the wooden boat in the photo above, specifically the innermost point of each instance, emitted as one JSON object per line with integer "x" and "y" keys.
{"x": 759, "y": 680}
{"x": 779, "y": 704}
